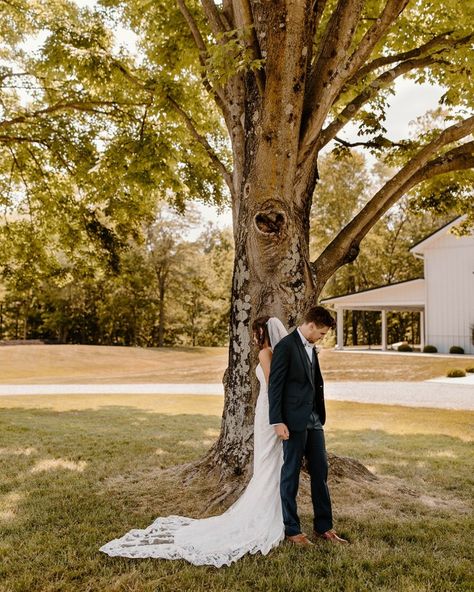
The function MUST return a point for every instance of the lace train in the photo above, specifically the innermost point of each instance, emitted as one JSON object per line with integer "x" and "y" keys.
{"x": 252, "y": 524}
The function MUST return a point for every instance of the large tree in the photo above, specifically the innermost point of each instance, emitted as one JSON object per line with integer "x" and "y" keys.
{"x": 283, "y": 79}
{"x": 307, "y": 69}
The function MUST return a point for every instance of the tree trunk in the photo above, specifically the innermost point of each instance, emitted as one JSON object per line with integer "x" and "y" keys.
{"x": 161, "y": 309}
{"x": 272, "y": 270}
{"x": 271, "y": 276}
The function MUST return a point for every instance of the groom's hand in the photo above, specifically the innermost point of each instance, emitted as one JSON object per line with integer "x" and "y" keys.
{"x": 281, "y": 431}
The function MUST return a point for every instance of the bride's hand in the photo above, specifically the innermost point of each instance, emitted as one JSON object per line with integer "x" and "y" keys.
{"x": 282, "y": 431}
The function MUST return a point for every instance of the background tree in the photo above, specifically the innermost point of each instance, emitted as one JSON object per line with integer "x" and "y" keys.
{"x": 145, "y": 302}
{"x": 345, "y": 186}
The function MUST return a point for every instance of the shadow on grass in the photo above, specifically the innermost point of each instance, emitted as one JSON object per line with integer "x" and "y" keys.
{"x": 101, "y": 472}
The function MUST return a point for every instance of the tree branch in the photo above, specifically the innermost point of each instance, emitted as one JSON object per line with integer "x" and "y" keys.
{"x": 326, "y": 86}
{"x": 457, "y": 159}
{"x": 217, "y": 19}
{"x": 350, "y": 110}
{"x": 332, "y": 52}
{"x": 377, "y": 142}
{"x": 327, "y": 73}
{"x": 228, "y": 13}
{"x": 124, "y": 70}
{"x": 87, "y": 106}
{"x": 442, "y": 41}
{"x": 22, "y": 139}
{"x": 216, "y": 93}
{"x": 196, "y": 33}
{"x": 345, "y": 247}
{"x": 391, "y": 11}
{"x": 191, "y": 125}
{"x": 317, "y": 10}
{"x": 244, "y": 19}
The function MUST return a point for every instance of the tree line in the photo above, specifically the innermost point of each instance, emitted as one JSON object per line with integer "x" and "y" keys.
{"x": 168, "y": 290}
{"x": 164, "y": 291}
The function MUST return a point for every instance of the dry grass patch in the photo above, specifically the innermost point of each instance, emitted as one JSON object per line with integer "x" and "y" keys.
{"x": 9, "y": 505}
{"x": 69, "y": 364}
{"x": 340, "y": 365}
{"x": 168, "y": 404}
{"x": 398, "y": 420}
{"x": 18, "y": 451}
{"x": 51, "y": 464}
{"x": 49, "y": 364}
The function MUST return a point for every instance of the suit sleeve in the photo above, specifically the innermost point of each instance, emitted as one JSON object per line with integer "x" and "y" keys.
{"x": 276, "y": 382}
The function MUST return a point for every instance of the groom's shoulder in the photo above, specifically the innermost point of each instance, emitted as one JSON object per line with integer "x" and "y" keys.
{"x": 285, "y": 341}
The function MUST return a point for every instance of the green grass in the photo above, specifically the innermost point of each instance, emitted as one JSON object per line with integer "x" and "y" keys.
{"x": 80, "y": 472}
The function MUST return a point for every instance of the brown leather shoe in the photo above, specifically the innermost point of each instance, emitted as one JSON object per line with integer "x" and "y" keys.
{"x": 331, "y": 536}
{"x": 299, "y": 539}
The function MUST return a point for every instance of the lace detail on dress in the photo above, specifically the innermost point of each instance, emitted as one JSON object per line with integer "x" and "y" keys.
{"x": 252, "y": 524}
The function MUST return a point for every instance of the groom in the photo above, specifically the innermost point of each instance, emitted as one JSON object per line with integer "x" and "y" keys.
{"x": 297, "y": 412}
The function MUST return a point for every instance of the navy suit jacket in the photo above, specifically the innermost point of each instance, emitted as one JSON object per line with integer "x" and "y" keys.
{"x": 292, "y": 392}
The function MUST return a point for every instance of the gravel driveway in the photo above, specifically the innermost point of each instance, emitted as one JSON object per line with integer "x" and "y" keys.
{"x": 455, "y": 394}
{"x": 411, "y": 394}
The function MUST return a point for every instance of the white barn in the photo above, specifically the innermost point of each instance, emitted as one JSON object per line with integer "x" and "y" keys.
{"x": 444, "y": 298}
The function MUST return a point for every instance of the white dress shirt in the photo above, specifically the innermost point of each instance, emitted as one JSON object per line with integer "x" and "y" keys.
{"x": 309, "y": 347}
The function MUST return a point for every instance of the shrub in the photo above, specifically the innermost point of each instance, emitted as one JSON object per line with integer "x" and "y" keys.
{"x": 470, "y": 369}
{"x": 430, "y": 349}
{"x": 404, "y": 347}
{"x": 455, "y": 373}
{"x": 455, "y": 349}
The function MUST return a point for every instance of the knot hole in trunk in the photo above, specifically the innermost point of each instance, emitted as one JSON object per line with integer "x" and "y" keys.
{"x": 270, "y": 223}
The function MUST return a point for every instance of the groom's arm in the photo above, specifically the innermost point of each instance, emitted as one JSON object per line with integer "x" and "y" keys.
{"x": 276, "y": 383}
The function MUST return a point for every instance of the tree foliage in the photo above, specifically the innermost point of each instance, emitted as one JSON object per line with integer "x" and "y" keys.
{"x": 168, "y": 290}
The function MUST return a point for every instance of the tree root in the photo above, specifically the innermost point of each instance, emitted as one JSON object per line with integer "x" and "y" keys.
{"x": 344, "y": 467}
{"x": 228, "y": 487}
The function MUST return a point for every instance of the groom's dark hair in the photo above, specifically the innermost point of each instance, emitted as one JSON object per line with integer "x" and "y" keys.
{"x": 320, "y": 316}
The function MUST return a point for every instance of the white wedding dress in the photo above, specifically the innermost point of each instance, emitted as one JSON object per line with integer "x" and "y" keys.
{"x": 253, "y": 523}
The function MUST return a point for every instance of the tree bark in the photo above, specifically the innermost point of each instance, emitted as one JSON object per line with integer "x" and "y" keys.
{"x": 161, "y": 309}
{"x": 272, "y": 273}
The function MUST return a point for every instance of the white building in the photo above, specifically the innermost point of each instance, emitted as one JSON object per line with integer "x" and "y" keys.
{"x": 444, "y": 298}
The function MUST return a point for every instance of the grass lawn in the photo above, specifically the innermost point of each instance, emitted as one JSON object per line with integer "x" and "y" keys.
{"x": 43, "y": 364}
{"x": 79, "y": 471}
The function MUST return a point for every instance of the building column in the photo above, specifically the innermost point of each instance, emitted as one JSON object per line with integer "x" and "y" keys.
{"x": 384, "y": 330}
{"x": 422, "y": 329}
{"x": 340, "y": 328}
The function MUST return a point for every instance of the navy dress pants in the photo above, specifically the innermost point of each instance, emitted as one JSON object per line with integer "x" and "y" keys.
{"x": 311, "y": 445}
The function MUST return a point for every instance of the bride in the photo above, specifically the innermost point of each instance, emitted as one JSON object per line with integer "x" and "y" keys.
{"x": 254, "y": 522}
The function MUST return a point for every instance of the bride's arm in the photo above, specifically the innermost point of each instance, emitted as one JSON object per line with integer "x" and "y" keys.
{"x": 265, "y": 359}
